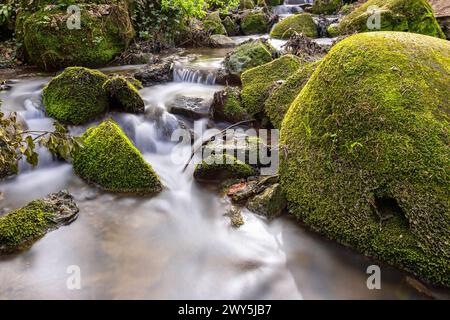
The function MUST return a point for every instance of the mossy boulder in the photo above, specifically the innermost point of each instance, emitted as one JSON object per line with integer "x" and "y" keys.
{"x": 221, "y": 167}
{"x": 367, "y": 155}
{"x": 246, "y": 56}
{"x": 333, "y": 30}
{"x": 213, "y": 24}
{"x": 270, "y": 203}
{"x": 227, "y": 106}
{"x": 278, "y": 103}
{"x": 326, "y": 6}
{"x": 246, "y": 4}
{"x": 109, "y": 160}
{"x": 255, "y": 22}
{"x": 297, "y": 23}
{"x": 257, "y": 81}
{"x": 414, "y": 16}
{"x": 76, "y": 95}
{"x": 21, "y": 227}
{"x": 104, "y": 32}
{"x": 123, "y": 95}
{"x": 231, "y": 26}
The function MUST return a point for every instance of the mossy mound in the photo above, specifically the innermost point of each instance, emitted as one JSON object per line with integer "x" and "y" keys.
{"x": 231, "y": 26}
{"x": 21, "y": 227}
{"x": 367, "y": 155}
{"x": 255, "y": 23}
{"x": 222, "y": 167}
{"x": 297, "y": 23}
{"x": 326, "y": 6}
{"x": 123, "y": 95}
{"x": 213, "y": 24}
{"x": 333, "y": 30}
{"x": 246, "y": 56}
{"x": 227, "y": 106}
{"x": 104, "y": 32}
{"x": 76, "y": 95}
{"x": 282, "y": 97}
{"x": 257, "y": 81}
{"x": 111, "y": 161}
{"x": 414, "y": 16}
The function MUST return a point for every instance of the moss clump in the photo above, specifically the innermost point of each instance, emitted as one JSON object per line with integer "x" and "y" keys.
{"x": 109, "y": 160}
{"x": 231, "y": 26}
{"x": 227, "y": 106}
{"x": 367, "y": 154}
{"x": 105, "y": 31}
{"x": 326, "y": 6}
{"x": 255, "y": 23}
{"x": 76, "y": 95}
{"x": 333, "y": 30}
{"x": 213, "y": 24}
{"x": 257, "y": 81}
{"x": 298, "y": 23}
{"x": 221, "y": 167}
{"x": 246, "y": 56}
{"x": 282, "y": 97}
{"x": 123, "y": 95}
{"x": 414, "y": 16}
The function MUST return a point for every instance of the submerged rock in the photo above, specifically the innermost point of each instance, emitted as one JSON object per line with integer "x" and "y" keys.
{"x": 123, "y": 95}
{"x": 227, "y": 106}
{"x": 222, "y": 167}
{"x": 297, "y": 23}
{"x": 414, "y": 16}
{"x": 366, "y": 150}
{"x": 235, "y": 215}
{"x": 109, "y": 160}
{"x": 21, "y": 227}
{"x": 76, "y": 95}
{"x": 257, "y": 81}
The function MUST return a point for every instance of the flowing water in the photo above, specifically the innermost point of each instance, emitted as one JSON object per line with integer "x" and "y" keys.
{"x": 178, "y": 244}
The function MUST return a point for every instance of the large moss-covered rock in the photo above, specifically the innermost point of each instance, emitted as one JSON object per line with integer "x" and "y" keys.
{"x": 297, "y": 23}
{"x": 246, "y": 56}
{"x": 231, "y": 26}
{"x": 257, "y": 81}
{"x": 227, "y": 106}
{"x": 123, "y": 95}
{"x": 282, "y": 97}
{"x": 21, "y": 227}
{"x": 326, "y": 6}
{"x": 397, "y": 15}
{"x": 221, "y": 167}
{"x": 255, "y": 22}
{"x": 104, "y": 32}
{"x": 366, "y": 150}
{"x": 109, "y": 160}
{"x": 213, "y": 24}
{"x": 76, "y": 95}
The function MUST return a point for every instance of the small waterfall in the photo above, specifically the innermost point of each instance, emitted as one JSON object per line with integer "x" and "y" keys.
{"x": 183, "y": 74}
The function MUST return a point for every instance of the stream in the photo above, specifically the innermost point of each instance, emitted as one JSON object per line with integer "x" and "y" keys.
{"x": 178, "y": 244}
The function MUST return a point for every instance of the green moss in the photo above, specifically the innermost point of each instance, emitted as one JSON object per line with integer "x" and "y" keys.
{"x": 213, "y": 24}
{"x": 414, "y": 16}
{"x": 231, "y": 26}
{"x": 26, "y": 224}
{"x": 221, "y": 167}
{"x": 326, "y": 6}
{"x": 246, "y": 4}
{"x": 282, "y": 97}
{"x": 227, "y": 106}
{"x": 123, "y": 95}
{"x": 109, "y": 160}
{"x": 246, "y": 56}
{"x": 254, "y": 23}
{"x": 270, "y": 203}
{"x": 76, "y": 95}
{"x": 298, "y": 23}
{"x": 256, "y": 82}
{"x": 105, "y": 32}
{"x": 367, "y": 150}
{"x": 333, "y": 30}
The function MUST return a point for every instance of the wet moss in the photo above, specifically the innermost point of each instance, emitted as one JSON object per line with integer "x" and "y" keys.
{"x": 110, "y": 161}
{"x": 255, "y": 23}
{"x": 76, "y": 95}
{"x": 326, "y": 6}
{"x": 227, "y": 106}
{"x": 298, "y": 23}
{"x": 367, "y": 155}
{"x": 213, "y": 24}
{"x": 221, "y": 167}
{"x": 414, "y": 16}
{"x": 257, "y": 81}
{"x": 276, "y": 106}
{"x": 123, "y": 95}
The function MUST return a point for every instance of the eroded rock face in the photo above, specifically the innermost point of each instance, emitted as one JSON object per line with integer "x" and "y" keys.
{"x": 20, "y": 228}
